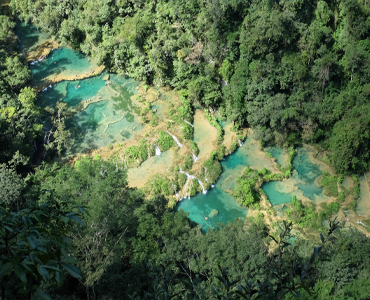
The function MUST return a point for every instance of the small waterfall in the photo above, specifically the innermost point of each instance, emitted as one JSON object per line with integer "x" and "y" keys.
{"x": 205, "y": 177}
{"x": 176, "y": 140}
{"x": 148, "y": 153}
{"x": 177, "y": 195}
{"x": 193, "y": 177}
{"x": 203, "y": 188}
{"x": 240, "y": 143}
{"x": 194, "y": 157}
{"x": 157, "y": 150}
{"x": 187, "y": 122}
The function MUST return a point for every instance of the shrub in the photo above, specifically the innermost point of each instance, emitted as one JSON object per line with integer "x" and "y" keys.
{"x": 153, "y": 123}
{"x": 165, "y": 141}
{"x": 329, "y": 182}
{"x": 182, "y": 179}
{"x": 187, "y": 131}
{"x": 139, "y": 98}
{"x": 268, "y": 154}
{"x": 245, "y": 191}
{"x": 188, "y": 163}
{"x": 213, "y": 167}
{"x": 233, "y": 147}
{"x": 194, "y": 147}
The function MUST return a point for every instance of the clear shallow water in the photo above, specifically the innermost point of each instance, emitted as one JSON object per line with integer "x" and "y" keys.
{"x": 110, "y": 119}
{"x": 65, "y": 61}
{"x": 308, "y": 172}
{"x": 217, "y": 198}
{"x": 202, "y": 205}
{"x": 66, "y": 91}
{"x": 275, "y": 193}
{"x": 278, "y": 192}
{"x": 305, "y": 179}
{"x": 279, "y": 154}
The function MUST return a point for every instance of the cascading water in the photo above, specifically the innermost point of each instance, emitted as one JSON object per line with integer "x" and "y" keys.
{"x": 187, "y": 122}
{"x": 193, "y": 177}
{"x": 176, "y": 140}
{"x": 177, "y": 195}
{"x": 157, "y": 150}
{"x": 240, "y": 143}
{"x": 205, "y": 177}
{"x": 194, "y": 157}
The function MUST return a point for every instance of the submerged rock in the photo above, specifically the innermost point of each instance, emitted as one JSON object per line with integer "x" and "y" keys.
{"x": 213, "y": 213}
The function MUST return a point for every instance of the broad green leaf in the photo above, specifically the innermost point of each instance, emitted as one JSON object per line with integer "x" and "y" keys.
{"x": 18, "y": 270}
{"x": 5, "y": 268}
{"x": 43, "y": 272}
{"x": 31, "y": 242}
{"x": 42, "y": 295}
{"x": 59, "y": 276}
{"x": 73, "y": 270}
{"x": 52, "y": 268}
{"x": 69, "y": 260}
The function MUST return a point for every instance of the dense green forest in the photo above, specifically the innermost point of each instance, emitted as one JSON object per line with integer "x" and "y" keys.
{"x": 292, "y": 70}
{"x": 295, "y": 71}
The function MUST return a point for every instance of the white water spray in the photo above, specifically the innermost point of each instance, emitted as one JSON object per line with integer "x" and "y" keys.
{"x": 193, "y": 177}
{"x": 205, "y": 177}
{"x": 187, "y": 122}
{"x": 176, "y": 140}
{"x": 177, "y": 195}
{"x": 157, "y": 150}
{"x": 194, "y": 157}
{"x": 240, "y": 143}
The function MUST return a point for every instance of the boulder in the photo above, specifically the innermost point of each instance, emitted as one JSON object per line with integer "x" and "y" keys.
{"x": 106, "y": 77}
{"x": 213, "y": 213}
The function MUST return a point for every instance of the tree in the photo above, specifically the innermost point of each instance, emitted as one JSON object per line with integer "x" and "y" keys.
{"x": 35, "y": 247}
{"x": 11, "y": 186}
{"x": 57, "y": 136}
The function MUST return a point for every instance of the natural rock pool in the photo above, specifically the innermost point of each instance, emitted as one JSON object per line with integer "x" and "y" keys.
{"x": 106, "y": 114}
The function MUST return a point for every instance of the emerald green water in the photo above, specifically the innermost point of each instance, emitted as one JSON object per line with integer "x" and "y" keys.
{"x": 66, "y": 91}
{"x": 279, "y": 154}
{"x": 110, "y": 119}
{"x": 65, "y": 62}
{"x": 307, "y": 172}
{"x": 304, "y": 179}
{"x": 201, "y": 205}
{"x": 275, "y": 193}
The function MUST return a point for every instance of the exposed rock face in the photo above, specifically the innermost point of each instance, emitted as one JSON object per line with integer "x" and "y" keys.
{"x": 106, "y": 77}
